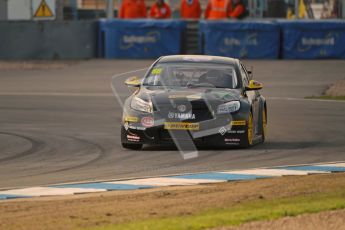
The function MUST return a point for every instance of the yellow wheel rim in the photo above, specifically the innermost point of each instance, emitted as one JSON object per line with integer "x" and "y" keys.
{"x": 264, "y": 123}
{"x": 250, "y": 129}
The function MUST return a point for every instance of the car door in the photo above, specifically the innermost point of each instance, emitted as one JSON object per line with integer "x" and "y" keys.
{"x": 253, "y": 97}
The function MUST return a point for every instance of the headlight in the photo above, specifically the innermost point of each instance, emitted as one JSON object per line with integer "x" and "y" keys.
{"x": 141, "y": 105}
{"x": 229, "y": 107}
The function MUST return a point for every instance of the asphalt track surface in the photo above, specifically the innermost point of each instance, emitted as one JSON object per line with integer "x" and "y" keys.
{"x": 63, "y": 125}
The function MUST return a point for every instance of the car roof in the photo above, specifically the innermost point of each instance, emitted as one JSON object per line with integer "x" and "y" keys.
{"x": 198, "y": 58}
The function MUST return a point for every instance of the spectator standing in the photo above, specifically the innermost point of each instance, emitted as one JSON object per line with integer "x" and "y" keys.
{"x": 218, "y": 9}
{"x": 239, "y": 10}
{"x": 160, "y": 10}
{"x": 133, "y": 9}
{"x": 190, "y": 9}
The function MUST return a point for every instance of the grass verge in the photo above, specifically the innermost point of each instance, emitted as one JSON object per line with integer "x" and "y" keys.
{"x": 242, "y": 213}
{"x": 324, "y": 97}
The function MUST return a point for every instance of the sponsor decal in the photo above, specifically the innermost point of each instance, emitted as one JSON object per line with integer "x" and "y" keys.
{"x": 181, "y": 126}
{"x": 131, "y": 119}
{"x": 232, "y": 139}
{"x": 222, "y": 131}
{"x": 238, "y": 123}
{"x": 236, "y": 131}
{"x": 150, "y": 38}
{"x": 147, "y": 122}
{"x": 133, "y": 138}
{"x": 250, "y": 40}
{"x": 131, "y": 39}
{"x": 136, "y": 127}
{"x": 232, "y": 143}
{"x": 156, "y": 71}
{"x": 181, "y": 116}
{"x": 232, "y": 42}
{"x": 181, "y": 108}
{"x": 318, "y": 41}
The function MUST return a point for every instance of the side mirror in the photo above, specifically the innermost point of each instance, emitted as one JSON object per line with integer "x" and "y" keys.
{"x": 133, "y": 81}
{"x": 254, "y": 85}
{"x": 250, "y": 73}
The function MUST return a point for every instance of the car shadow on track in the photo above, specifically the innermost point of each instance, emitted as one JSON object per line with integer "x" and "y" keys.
{"x": 270, "y": 145}
{"x": 287, "y": 145}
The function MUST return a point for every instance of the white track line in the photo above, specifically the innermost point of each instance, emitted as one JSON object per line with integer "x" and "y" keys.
{"x": 163, "y": 181}
{"x": 329, "y": 163}
{"x": 333, "y": 165}
{"x": 274, "y": 172}
{"x": 48, "y": 191}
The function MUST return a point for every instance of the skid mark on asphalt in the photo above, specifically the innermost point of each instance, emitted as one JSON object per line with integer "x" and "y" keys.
{"x": 93, "y": 147}
{"x": 36, "y": 145}
{"x": 304, "y": 99}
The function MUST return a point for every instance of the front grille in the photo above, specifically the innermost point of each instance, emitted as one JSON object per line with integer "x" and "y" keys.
{"x": 197, "y": 107}
{"x": 201, "y": 111}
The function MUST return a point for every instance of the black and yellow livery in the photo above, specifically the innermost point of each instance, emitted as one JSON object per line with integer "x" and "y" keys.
{"x": 204, "y": 99}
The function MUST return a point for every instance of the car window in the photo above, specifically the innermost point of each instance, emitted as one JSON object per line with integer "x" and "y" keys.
{"x": 244, "y": 74}
{"x": 192, "y": 75}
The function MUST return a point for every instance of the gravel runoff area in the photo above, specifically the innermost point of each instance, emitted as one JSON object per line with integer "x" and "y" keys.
{"x": 121, "y": 207}
{"x": 337, "y": 89}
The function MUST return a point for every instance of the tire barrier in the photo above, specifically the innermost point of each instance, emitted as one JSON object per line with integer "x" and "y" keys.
{"x": 306, "y": 39}
{"x": 240, "y": 39}
{"x": 287, "y": 39}
{"x": 140, "y": 38}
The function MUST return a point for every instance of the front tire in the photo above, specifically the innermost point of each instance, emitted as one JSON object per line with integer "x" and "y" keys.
{"x": 264, "y": 125}
{"x": 249, "y": 135}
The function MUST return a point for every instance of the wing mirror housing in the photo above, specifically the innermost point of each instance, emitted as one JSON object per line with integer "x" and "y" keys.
{"x": 254, "y": 85}
{"x": 250, "y": 73}
{"x": 133, "y": 81}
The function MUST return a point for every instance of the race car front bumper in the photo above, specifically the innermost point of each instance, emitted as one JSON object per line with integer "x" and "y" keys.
{"x": 152, "y": 129}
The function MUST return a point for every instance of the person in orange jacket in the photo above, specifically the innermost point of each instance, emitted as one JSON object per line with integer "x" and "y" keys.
{"x": 218, "y": 9}
{"x": 160, "y": 10}
{"x": 239, "y": 10}
{"x": 133, "y": 9}
{"x": 190, "y": 9}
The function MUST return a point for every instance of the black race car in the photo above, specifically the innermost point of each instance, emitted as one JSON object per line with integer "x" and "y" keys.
{"x": 202, "y": 99}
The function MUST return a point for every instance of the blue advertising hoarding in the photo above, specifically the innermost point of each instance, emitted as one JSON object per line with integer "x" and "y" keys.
{"x": 310, "y": 39}
{"x": 240, "y": 39}
{"x": 140, "y": 38}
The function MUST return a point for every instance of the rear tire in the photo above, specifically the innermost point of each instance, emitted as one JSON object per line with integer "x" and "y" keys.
{"x": 132, "y": 146}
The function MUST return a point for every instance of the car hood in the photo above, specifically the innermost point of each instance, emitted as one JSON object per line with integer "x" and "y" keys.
{"x": 212, "y": 95}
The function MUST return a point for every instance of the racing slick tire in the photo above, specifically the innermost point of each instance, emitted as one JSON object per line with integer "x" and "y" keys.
{"x": 249, "y": 134}
{"x": 264, "y": 125}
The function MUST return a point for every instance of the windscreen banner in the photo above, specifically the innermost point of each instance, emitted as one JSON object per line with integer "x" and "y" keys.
{"x": 240, "y": 39}
{"x": 306, "y": 39}
{"x": 140, "y": 38}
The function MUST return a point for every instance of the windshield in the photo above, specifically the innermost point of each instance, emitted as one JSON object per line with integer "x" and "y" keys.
{"x": 192, "y": 75}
